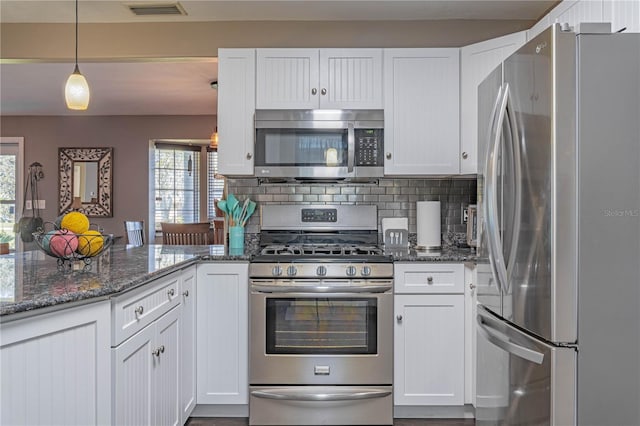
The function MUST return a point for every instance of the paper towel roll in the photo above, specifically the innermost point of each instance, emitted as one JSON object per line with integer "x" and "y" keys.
{"x": 428, "y": 224}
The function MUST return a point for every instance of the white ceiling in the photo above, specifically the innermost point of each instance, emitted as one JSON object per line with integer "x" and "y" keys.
{"x": 182, "y": 88}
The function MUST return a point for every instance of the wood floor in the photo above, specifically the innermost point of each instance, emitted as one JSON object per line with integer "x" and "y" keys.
{"x": 208, "y": 421}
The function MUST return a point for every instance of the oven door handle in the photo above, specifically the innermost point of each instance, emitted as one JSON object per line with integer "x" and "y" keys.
{"x": 265, "y": 288}
{"x": 304, "y": 395}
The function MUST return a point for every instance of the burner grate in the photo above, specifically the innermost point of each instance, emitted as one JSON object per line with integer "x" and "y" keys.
{"x": 321, "y": 250}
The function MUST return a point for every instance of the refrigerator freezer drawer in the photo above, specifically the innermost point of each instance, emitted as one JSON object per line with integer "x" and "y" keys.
{"x": 521, "y": 380}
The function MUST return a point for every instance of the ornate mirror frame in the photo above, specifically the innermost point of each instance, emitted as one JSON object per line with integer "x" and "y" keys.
{"x": 103, "y": 205}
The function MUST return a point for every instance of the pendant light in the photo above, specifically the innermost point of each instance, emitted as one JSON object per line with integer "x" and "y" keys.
{"x": 213, "y": 144}
{"x": 76, "y": 91}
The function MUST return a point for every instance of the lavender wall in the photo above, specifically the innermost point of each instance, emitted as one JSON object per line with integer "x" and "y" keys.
{"x": 128, "y": 135}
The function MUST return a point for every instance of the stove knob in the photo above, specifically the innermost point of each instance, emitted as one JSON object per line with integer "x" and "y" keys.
{"x": 351, "y": 271}
{"x": 366, "y": 271}
{"x": 292, "y": 271}
{"x": 276, "y": 271}
{"x": 321, "y": 271}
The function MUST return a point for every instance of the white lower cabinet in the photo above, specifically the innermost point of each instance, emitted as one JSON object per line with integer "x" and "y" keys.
{"x": 146, "y": 375}
{"x": 429, "y": 339}
{"x": 54, "y": 368}
{"x": 222, "y": 333}
{"x": 188, "y": 344}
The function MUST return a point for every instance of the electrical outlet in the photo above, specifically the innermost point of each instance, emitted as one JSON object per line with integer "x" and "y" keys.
{"x": 40, "y": 204}
{"x": 465, "y": 214}
{"x": 27, "y": 205}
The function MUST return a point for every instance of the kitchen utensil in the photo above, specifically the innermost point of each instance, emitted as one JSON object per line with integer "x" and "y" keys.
{"x": 250, "y": 209}
{"x": 222, "y": 205}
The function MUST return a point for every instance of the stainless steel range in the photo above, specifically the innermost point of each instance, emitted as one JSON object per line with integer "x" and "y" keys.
{"x": 321, "y": 318}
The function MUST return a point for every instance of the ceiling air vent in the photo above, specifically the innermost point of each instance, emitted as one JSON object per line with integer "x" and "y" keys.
{"x": 156, "y": 9}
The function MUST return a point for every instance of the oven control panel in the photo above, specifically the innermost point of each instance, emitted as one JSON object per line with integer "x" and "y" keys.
{"x": 320, "y": 215}
{"x": 286, "y": 270}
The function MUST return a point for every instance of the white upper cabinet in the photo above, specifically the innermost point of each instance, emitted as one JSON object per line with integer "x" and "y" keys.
{"x": 476, "y": 62}
{"x": 421, "y": 109}
{"x": 236, "y": 108}
{"x": 319, "y": 78}
{"x": 622, "y": 14}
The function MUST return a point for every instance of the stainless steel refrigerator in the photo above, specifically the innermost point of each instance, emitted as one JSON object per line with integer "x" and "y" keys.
{"x": 558, "y": 314}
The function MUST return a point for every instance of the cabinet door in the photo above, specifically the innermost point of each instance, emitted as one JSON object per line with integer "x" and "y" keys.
{"x": 476, "y": 62}
{"x": 222, "y": 333}
{"x": 166, "y": 370}
{"x": 622, "y": 14}
{"x": 351, "y": 78}
{"x": 188, "y": 344}
{"x": 236, "y": 108}
{"x": 429, "y": 350}
{"x": 470, "y": 334}
{"x": 55, "y": 368}
{"x": 287, "y": 79}
{"x": 421, "y": 100}
{"x": 133, "y": 392}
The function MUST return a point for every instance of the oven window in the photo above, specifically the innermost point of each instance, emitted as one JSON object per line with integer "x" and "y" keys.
{"x": 322, "y": 326}
{"x": 302, "y": 147}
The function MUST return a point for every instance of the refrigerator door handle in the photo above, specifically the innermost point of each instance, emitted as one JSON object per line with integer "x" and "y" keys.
{"x": 496, "y": 256}
{"x": 502, "y": 341}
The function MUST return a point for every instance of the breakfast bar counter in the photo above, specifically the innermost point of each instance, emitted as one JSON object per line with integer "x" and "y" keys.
{"x": 32, "y": 280}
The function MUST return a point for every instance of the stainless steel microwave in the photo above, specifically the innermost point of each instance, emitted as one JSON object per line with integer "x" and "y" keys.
{"x": 319, "y": 144}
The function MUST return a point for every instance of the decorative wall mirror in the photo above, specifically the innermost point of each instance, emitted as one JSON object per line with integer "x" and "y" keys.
{"x": 85, "y": 177}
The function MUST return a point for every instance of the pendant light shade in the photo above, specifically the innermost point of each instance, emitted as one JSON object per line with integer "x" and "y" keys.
{"x": 76, "y": 91}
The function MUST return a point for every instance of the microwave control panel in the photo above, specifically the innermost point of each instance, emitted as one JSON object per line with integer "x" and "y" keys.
{"x": 369, "y": 147}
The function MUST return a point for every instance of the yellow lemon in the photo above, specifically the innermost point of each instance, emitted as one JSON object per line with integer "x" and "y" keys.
{"x": 90, "y": 242}
{"x": 75, "y": 222}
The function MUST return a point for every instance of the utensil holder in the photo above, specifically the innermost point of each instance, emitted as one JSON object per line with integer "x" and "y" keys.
{"x": 236, "y": 240}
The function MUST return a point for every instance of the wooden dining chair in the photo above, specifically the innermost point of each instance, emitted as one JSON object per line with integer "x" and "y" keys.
{"x": 135, "y": 232}
{"x": 218, "y": 231}
{"x": 185, "y": 233}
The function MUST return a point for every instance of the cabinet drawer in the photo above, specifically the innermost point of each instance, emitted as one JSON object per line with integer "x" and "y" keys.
{"x": 429, "y": 277}
{"x": 134, "y": 311}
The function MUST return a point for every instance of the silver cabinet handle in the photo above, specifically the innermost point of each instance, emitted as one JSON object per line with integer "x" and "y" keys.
{"x": 156, "y": 352}
{"x": 139, "y": 310}
{"x": 171, "y": 292}
{"x": 430, "y": 279}
{"x": 249, "y": 155}
{"x": 314, "y": 91}
{"x": 323, "y": 91}
{"x": 399, "y": 318}
{"x": 185, "y": 293}
{"x": 465, "y": 155}
{"x": 388, "y": 156}
{"x": 162, "y": 349}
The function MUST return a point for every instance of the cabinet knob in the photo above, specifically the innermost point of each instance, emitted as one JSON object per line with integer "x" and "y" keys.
{"x": 162, "y": 349}
{"x": 323, "y": 91}
{"x": 171, "y": 292}
{"x": 430, "y": 279}
{"x": 388, "y": 156}
{"x": 249, "y": 155}
{"x": 139, "y": 310}
{"x": 399, "y": 318}
{"x": 156, "y": 352}
{"x": 185, "y": 293}
{"x": 472, "y": 286}
{"x": 465, "y": 155}
{"x": 314, "y": 91}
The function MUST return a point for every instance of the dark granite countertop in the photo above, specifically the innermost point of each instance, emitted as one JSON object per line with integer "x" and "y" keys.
{"x": 32, "y": 280}
{"x": 446, "y": 254}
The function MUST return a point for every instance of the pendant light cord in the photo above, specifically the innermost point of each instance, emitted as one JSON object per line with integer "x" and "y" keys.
{"x": 76, "y": 35}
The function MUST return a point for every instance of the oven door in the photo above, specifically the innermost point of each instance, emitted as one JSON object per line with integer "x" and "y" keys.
{"x": 324, "y": 334}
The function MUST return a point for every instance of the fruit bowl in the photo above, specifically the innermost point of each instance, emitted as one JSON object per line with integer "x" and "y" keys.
{"x": 68, "y": 247}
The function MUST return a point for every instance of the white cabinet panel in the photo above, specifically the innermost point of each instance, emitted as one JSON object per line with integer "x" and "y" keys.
{"x": 319, "y": 78}
{"x": 167, "y": 370}
{"x": 236, "y": 109}
{"x": 55, "y": 368}
{"x": 470, "y": 300}
{"x": 476, "y": 62}
{"x": 573, "y": 12}
{"x": 188, "y": 344}
{"x": 423, "y": 277}
{"x": 622, "y": 14}
{"x": 539, "y": 27}
{"x": 429, "y": 350}
{"x": 421, "y": 107}
{"x": 222, "y": 333}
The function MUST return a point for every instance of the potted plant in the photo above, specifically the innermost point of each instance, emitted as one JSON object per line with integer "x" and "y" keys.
{"x": 4, "y": 242}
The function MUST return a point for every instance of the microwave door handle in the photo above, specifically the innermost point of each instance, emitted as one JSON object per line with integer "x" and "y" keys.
{"x": 351, "y": 147}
